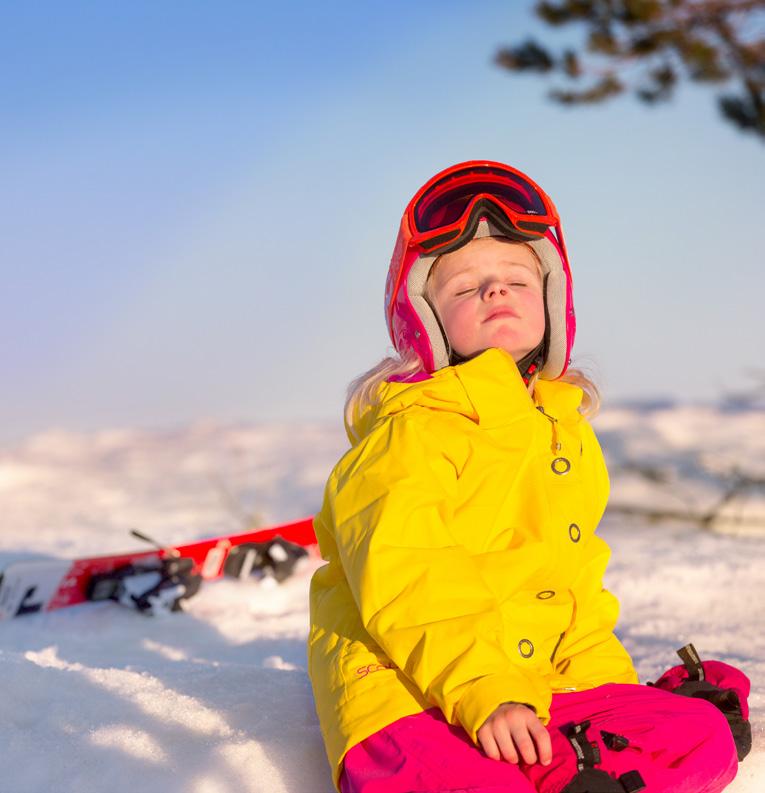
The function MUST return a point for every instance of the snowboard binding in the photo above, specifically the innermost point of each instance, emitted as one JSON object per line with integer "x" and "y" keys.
{"x": 158, "y": 586}
{"x": 153, "y": 588}
{"x": 273, "y": 559}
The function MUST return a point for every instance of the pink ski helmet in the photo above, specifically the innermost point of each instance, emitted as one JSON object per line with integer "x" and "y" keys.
{"x": 467, "y": 201}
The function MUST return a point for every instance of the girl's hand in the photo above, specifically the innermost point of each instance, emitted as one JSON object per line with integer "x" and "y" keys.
{"x": 514, "y": 729}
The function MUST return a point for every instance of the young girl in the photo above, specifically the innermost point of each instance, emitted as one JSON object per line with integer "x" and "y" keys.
{"x": 461, "y": 638}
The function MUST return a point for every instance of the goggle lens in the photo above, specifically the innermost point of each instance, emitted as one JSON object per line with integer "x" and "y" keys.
{"x": 446, "y": 201}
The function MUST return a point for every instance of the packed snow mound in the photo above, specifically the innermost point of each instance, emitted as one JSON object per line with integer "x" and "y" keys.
{"x": 702, "y": 461}
{"x": 216, "y": 699}
{"x": 75, "y": 493}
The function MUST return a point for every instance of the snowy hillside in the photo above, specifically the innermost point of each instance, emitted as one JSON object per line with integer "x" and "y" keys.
{"x": 73, "y": 493}
{"x": 216, "y": 700}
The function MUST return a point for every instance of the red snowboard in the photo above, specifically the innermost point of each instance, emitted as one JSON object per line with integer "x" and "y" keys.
{"x": 43, "y": 585}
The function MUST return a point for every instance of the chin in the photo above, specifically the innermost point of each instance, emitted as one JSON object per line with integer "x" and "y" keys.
{"x": 510, "y": 346}
{"x": 514, "y": 351}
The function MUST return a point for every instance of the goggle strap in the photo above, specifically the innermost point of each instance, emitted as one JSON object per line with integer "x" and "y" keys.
{"x": 482, "y": 208}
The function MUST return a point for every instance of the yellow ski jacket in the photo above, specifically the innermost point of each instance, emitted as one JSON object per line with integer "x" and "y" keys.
{"x": 462, "y": 566}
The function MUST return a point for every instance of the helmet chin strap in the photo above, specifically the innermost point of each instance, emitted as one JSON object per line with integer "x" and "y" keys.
{"x": 532, "y": 362}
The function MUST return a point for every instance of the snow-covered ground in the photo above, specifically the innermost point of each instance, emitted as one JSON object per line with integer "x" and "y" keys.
{"x": 216, "y": 699}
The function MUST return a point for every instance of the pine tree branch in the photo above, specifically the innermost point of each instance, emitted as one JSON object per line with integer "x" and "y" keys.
{"x": 707, "y": 41}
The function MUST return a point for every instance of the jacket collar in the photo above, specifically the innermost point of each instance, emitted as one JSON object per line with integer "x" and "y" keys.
{"x": 487, "y": 389}
{"x": 494, "y": 386}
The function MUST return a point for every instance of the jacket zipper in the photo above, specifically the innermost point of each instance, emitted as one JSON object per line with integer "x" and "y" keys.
{"x": 556, "y": 445}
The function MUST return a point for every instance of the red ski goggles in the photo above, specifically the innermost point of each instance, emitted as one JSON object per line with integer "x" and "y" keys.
{"x": 448, "y": 208}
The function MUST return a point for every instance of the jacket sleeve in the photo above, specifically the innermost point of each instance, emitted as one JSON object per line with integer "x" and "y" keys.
{"x": 590, "y": 650}
{"x": 421, "y": 596}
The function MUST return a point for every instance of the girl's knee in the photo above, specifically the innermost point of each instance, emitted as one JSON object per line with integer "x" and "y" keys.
{"x": 703, "y": 717}
{"x": 711, "y": 735}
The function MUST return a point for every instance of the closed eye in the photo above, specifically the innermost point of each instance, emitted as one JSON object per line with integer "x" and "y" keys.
{"x": 465, "y": 291}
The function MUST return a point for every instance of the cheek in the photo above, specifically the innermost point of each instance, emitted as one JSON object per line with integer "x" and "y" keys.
{"x": 460, "y": 321}
{"x": 467, "y": 314}
{"x": 536, "y": 313}
{"x": 540, "y": 311}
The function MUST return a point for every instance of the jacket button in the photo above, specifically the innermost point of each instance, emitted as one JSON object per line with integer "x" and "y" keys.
{"x": 560, "y": 465}
{"x": 574, "y": 532}
{"x": 545, "y": 594}
{"x": 525, "y": 648}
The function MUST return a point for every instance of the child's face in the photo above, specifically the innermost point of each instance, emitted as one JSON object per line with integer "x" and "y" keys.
{"x": 488, "y": 293}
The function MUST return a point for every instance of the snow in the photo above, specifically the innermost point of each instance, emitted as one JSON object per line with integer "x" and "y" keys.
{"x": 216, "y": 699}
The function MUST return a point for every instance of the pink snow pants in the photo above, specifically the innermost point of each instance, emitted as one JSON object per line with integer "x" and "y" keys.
{"x": 678, "y": 744}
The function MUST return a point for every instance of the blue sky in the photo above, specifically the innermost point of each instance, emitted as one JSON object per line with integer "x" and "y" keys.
{"x": 200, "y": 202}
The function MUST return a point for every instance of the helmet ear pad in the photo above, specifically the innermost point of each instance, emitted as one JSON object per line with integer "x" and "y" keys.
{"x": 554, "y": 278}
{"x": 556, "y": 291}
{"x": 416, "y": 287}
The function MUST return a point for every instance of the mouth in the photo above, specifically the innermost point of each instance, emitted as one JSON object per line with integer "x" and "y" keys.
{"x": 501, "y": 313}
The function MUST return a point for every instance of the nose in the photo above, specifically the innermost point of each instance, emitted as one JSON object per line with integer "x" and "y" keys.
{"x": 494, "y": 288}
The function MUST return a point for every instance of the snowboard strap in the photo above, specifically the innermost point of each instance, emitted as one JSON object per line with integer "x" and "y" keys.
{"x": 152, "y": 588}
{"x": 275, "y": 558}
